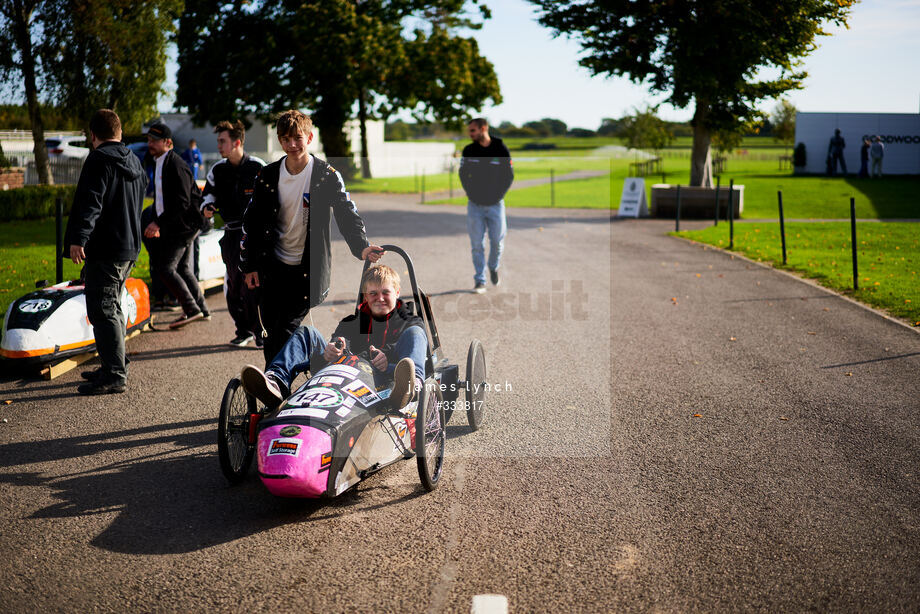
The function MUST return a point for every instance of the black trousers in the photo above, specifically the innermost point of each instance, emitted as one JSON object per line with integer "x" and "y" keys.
{"x": 105, "y": 280}
{"x": 174, "y": 265}
{"x": 158, "y": 290}
{"x": 242, "y": 302}
{"x": 283, "y": 302}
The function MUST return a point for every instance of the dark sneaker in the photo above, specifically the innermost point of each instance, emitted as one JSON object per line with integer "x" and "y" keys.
{"x": 93, "y": 375}
{"x": 242, "y": 341}
{"x": 101, "y": 387}
{"x": 261, "y": 386}
{"x": 185, "y": 319}
{"x": 479, "y": 288}
{"x": 403, "y": 384}
{"x": 259, "y": 341}
{"x": 206, "y": 315}
{"x": 493, "y": 275}
{"x": 167, "y": 305}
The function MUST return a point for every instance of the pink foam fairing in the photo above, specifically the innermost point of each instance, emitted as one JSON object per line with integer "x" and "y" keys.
{"x": 294, "y": 460}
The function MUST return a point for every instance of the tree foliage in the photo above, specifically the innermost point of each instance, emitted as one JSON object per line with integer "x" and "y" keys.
{"x": 723, "y": 56}
{"x": 783, "y": 121}
{"x": 257, "y": 58}
{"x": 645, "y": 130}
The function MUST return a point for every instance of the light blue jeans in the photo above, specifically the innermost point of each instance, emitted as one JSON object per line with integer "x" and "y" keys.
{"x": 480, "y": 219}
{"x": 306, "y": 341}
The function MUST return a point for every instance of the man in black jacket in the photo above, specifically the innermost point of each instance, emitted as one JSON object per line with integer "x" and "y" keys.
{"x": 286, "y": 248}
{"x": 486, "y": 173}
{"x": 382, "y": 330}
{"x": 104, "y": 230}
{"x": 177, "y": 223}
{"x": 228, "y": 190}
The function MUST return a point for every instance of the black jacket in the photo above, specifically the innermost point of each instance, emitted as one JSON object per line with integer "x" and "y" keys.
{"x": 229, "y": 188}
{"x": 327, "y": 198}
{"x": 106, "y": 214}
{"x": 486, "y": 172}
{"x": 363, "y": 330}
{"x": 181, "y": 217}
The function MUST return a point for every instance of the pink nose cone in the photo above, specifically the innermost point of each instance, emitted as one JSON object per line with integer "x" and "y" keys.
{"x": 294, "y": 460}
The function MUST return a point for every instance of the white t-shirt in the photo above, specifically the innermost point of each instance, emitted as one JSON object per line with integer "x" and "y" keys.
{"x": 294, "y": 194}
{"x": 158, "y": 185}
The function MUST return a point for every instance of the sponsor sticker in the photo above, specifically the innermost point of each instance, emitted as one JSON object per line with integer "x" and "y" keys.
{"x": 129, "y": 304}
{"x": 290, "y": 431}
{"x": 309, "y": 412}
{"x": 284, "y": 447}
{"x": 349, "y": 372}
{"x": 349, "y": 402}
{"x": 343, "y": 411}
{"x": 360, "y": 391}
{"x": 317, "y": 397}
{"x": 34, "y": 305}
{"x": 328, "y": 379}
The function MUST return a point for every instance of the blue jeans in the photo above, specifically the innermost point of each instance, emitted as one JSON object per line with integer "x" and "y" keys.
{"x": 306, "y": 342}
{"x": 479, "y": 219}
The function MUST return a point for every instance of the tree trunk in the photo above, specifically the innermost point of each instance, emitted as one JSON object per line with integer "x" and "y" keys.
{"x": 701, "y": 157}
{"x": 330, "y": 117}
{"x": 24, "y": 40}
{"x": 362, "y": 118}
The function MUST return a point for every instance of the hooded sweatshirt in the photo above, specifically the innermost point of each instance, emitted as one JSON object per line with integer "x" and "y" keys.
{"x": 106, "y": 214}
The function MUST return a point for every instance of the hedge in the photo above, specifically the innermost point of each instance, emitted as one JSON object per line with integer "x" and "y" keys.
{"x": 34, "y": 201}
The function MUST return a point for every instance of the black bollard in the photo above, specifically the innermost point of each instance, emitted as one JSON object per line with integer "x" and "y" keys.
{"x": 677, "y": 215}
{"x": 782, "y": 227}
{"x": 853, "y": 241}
{"x": 731, "y": 214}
{"x": 718, "y": 181}
{"x": 552, "y": 188}
{"x": 59, "y": 243}
{"x": 423, "y": 187}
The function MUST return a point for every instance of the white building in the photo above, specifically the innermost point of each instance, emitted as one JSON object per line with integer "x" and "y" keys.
{"x": 900, "y": 132}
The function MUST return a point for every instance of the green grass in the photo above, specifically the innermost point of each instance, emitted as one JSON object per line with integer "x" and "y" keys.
{"x": 888, "y": 257}
{"x": 27, "y": 255}
{"x": 593, "y": 193}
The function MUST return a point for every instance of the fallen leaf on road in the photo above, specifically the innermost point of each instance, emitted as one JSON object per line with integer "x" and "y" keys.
{"x": 697, "y": 415}
{"x": 812, "y": 333}
{"x": 7, "y": 402}
{"x": 698, "y": 275}
{"x": 849, "y": 374}
{"x": 732, "y": 338}
{"x": 783, "y": 418}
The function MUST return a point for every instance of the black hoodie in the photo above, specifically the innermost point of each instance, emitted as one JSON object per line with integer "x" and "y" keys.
{"x": 106, "y": 215}
{"x": 364, "y": 329}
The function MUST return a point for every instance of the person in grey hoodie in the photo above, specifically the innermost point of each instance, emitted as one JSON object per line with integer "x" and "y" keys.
{"x": 104, "y": 234}
{"x": 877, "y": 153}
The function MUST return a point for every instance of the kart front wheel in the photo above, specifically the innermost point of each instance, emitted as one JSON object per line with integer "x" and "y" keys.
{"x": 233, "y": 447}
{"x": 430, "y": 435}
{"x": 475, "y": 384}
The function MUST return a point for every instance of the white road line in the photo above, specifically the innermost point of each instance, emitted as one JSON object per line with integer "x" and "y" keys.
{"x": 489, "y": 604}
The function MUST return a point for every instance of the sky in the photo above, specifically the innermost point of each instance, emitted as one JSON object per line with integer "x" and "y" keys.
{"x": 873, "y": 66}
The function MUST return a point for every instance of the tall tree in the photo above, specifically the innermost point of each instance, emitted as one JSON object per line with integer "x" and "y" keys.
{"x": 112, "y": 54}
{"x": 707, "y": 52}
{"x": 783, "y": 120}
{"x": 329, "y": 56}
{"x": 19, "y": 27}
{"x": 645, "y": 130}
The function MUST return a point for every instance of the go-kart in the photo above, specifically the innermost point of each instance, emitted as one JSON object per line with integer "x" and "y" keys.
{"x": 51, "y": 323}
{"x": 338, "y": 428}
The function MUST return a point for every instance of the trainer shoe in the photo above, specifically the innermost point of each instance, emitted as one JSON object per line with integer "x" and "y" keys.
{"x": 166, "y": 305}
{"x": 206, "y": 315}
{"x": 493, "y": 275}
{"x": 242, "y": 341}
{"x": 479, "y": 288}
{"x": 261, "y": 386}
{"x": 185, "y": 319}
{"x": 403, "y": 384}
{"x": 100, "y": 386}
{"x": 91, "y": 375}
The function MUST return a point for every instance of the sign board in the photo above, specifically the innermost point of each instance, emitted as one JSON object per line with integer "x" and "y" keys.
{"x": 633, "y": 202}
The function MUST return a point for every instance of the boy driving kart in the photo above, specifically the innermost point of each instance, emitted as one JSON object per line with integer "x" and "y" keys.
{"x": 383, "y": 330}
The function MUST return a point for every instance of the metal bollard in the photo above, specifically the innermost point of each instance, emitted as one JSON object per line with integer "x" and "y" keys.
{"x": 731, "y": 214}
{"x": 853, "y": 241}
{"x": 782, "y": 227}
{"x": 59, "y": 243}
{"x": 677, "y": 215}
{"x": 718, "y": 181}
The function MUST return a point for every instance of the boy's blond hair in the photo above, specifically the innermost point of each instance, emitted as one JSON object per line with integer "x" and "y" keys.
{"x": 379, "y": 274}
{"x": 293, "y": 121}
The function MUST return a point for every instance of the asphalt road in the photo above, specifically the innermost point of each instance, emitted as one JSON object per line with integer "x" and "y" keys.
{"x": 671, "y": 429}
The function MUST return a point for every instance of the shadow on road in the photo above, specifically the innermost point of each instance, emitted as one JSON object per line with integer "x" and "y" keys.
{"x": 174, "y": 499}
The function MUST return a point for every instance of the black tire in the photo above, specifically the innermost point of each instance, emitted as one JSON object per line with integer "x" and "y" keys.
{"x": 475, "y": 384}
{"x": 430, "y": 436}
{"x": 233, "y": 447}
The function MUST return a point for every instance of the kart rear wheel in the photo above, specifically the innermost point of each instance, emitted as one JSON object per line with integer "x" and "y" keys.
{"x": 430, "y": 436}
{"x": 233, "y": 447}
{"x": 475, "y": 384}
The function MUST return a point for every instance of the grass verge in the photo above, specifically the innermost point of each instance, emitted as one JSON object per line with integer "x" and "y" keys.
{"x": 888, "y": 257}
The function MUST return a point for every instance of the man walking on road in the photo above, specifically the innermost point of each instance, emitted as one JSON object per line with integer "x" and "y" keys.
{"x": 486, "y": 173}
{"x": 177, "y": 223}
{"x": 104, "y": 233}
{"x": 227, "y": 191}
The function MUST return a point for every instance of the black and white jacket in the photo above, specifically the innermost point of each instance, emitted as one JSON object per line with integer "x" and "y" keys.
{"x": 229, "y": 188}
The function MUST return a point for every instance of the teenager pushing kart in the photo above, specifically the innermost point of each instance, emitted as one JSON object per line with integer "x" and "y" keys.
{"x": 393, "y": 339}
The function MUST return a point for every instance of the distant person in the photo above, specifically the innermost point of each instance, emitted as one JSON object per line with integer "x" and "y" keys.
{"x": 835, "y": 153}
{"x": 227, "y": 190}
{"x": 104, "y": 233}
{"x": 177, "y": 222}
{"x": 486, "y": 173}
{"x": 864, "y": 159}
{"x": 286, "y": 249}
{"x": 192, "y": 157}
{"x": 877, "y": 153}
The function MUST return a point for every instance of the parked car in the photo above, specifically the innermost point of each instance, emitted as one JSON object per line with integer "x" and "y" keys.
{"x": 67, "y": 147}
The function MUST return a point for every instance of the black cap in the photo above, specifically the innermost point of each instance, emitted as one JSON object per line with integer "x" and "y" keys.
{"x": 159, "y": 131}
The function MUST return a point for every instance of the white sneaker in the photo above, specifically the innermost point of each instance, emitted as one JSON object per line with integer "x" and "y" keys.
{"x": 261, "y": 386}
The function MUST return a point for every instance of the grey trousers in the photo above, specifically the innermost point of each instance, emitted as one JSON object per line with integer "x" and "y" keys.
{"x": 105, "y": 280}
